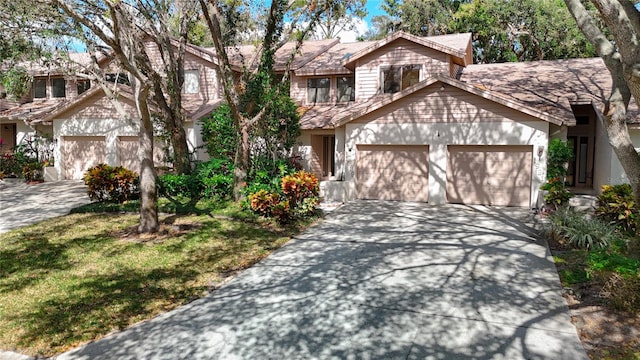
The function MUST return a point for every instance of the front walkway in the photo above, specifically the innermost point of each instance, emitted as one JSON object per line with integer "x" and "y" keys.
{"x": 22, "y": 204}
{"x": 377, "y": 280}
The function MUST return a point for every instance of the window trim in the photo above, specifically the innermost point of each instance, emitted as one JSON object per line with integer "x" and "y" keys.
{"x": 197, "y": 78}
{"x": 35, "y": 92}
{"x": 82, "y": 81}
{"x": 54, "y": 93}
{"x": 315, "y": 97}
{"x": 352, "y": 84}
{"x": 400, "y": 70}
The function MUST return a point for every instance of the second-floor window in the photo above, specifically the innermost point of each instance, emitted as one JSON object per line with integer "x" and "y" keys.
{"x": 58, "y": 88}
{"x": 83, "y": 85}
{"x": 40, "y": 88}
{"x": 120, "y": 78}
{"x": 398, "y": 78}
{"x": 318, "y": 90}
{"x": 346, "y": 89}
{"x": 191, "y": 81}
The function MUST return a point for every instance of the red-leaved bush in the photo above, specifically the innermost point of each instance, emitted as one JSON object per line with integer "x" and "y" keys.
{"x": 107, "y": 183}
{"x": 299, "y": 198}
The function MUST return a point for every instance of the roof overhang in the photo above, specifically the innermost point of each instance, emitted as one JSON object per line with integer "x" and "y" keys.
{"x": 357, "y": 112}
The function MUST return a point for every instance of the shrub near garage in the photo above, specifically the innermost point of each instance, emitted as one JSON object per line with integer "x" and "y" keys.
{"x": 616, "y": 205}
{"x": 299, "y": 198}
{"x": 107, "y": 183}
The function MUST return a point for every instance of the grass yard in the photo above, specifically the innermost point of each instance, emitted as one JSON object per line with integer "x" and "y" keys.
{"x": 76, "y": 278}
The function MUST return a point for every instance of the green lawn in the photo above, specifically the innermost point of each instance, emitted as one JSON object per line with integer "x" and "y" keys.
{"x": 76, "y": 278}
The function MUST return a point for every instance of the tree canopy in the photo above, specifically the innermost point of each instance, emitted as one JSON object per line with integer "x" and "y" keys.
{"x": 502, "y": 30}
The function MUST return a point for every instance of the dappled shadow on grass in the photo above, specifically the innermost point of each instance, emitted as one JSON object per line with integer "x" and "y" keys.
{"x": 71, "y": 280}
{"x": 30, "y": 253}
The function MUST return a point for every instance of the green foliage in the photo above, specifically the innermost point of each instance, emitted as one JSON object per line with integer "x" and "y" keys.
{"x": 32, "y": 171}
{"x": 604, "y": 260}
{"x": 616, "y": 205}
{"x": 211, "y": 179}
{"x": 297, "y": 198}
{"x": 581, "y": 231}
{"x": 16, "y": 82}
{"x": 11, "y": 164}
{"x": 184, "y": 185}
{"x": 220, "y": 134}
{"x": 560, "y": 152}
{"x": 106, "y": 183}
{"x": 216, "y": 177}
{"x": 557, "y": 195}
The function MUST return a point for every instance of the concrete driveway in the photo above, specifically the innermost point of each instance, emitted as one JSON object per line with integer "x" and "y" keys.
{"x": 377, "y": 280}
{"x": 22, "y": 204}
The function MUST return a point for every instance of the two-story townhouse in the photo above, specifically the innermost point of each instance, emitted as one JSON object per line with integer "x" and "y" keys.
{"x": 411, "y": 118}
{"x": 404, "y": 118}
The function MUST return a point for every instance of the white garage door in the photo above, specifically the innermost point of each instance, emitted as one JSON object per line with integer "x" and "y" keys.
{"x": 80, "y": 153}
{"x": 393, "y": 172}
{"x": 489, "y": 175}
{"x": 128, "y": 152}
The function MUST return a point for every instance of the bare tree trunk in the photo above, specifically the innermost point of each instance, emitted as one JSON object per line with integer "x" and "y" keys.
{"x": 241, "y": 163}
{"x": 148, "y": 190}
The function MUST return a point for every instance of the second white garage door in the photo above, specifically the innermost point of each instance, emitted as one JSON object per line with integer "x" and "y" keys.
{"x": 393, "y": 172}
{"x": 489, "y": 175}
{"x": 80, "y": 153}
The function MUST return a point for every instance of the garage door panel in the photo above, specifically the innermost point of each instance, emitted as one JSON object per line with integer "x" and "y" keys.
{"x": 489, "y": 175}
{"x": 80, "y": 153}
{"x": 390, "y": 172}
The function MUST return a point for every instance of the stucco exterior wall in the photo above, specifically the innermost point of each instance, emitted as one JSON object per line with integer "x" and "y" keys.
{"x": 615, "y": 174}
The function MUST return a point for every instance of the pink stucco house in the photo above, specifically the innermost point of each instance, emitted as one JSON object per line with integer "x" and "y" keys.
{"x": 404, "y": 118}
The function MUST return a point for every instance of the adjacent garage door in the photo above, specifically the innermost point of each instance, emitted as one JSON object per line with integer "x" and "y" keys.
{"x": 81, "y": 153}
{"x": 392, "y": 172}
{"x": 489, "y": 175}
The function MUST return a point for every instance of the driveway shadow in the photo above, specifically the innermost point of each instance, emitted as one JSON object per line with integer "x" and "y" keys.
{"x": 377, "y": 280}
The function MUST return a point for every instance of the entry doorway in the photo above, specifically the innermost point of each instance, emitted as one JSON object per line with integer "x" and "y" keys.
{"x": 581, "y": 138}
{"x": 7, "y": 138}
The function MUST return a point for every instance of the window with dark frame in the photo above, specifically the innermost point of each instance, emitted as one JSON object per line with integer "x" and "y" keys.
{"x": 120, "y": 78}
{"x": 346, "y": 89}
{"x": 397, "y": 78}
{"x": 318, "y": 90}
{"x": 58, "y": 88}
{"x": 329, "y": 155}
{"x": 40, "y": 88}
{"x": 83, "y": 85}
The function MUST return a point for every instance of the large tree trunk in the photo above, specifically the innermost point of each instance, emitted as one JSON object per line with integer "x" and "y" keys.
{"x": 241, "y": 163}
{"x": 621, "y": 58}
{"x": 148, "y": 190}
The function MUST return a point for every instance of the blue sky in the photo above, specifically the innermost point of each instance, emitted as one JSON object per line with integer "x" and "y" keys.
{"x": 373, "y": 6}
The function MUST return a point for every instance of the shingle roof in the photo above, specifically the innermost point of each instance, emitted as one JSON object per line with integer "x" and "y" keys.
{"x": 327, "y": 117}
{"x": 331, "y": 62}
{"x": 551, "y": 86}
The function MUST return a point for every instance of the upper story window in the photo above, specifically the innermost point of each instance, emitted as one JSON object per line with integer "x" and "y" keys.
{"x": 318, "y": 90}
{"x": 346, "y": 89}
{"x": 398, "y": 78}
{"x": 83, "y": 85}
{"x": 58, "y": 88}
{"x": 40, "y": 88}
{"x": 191, "y": 82}
{"x": 120, "y": 78}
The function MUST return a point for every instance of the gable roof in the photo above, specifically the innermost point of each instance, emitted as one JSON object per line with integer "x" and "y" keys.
{"x": 550, "y": 85}
{"x": 324, "y": 118}
{"x": 331, "y": 62}
{"x": 456, "y": 45}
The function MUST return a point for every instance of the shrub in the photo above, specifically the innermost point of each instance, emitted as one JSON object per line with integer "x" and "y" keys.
{"x": 32, "y": 171}
{"x": 216, "y": 177}
{"x": 623, "y": 292}
{"x": 557, "y": 195}
{"x": 12, "y": 164}
{"x": 1, "y": 175}
{"x": 106, "y": 183}
{"x": 581, "y": 231}
{"x": 185, "y": 185}
{"x": 559, "y": 154}
{"x": 298, "y": 198}
{"x": 616, "y": 206}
